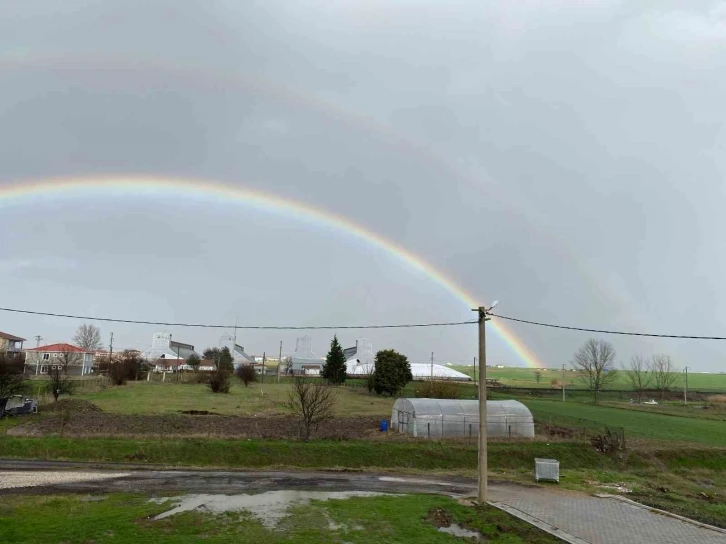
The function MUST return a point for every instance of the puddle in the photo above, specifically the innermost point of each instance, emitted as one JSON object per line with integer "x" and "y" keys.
{"x": 621, "y": 488}
{"x": 413, "y": 481}
{"x": 269, "y": 507}
{"x": 461, "y": 532}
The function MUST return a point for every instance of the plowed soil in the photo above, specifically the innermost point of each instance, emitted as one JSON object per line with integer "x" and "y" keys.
{"x": 100, "y": 424}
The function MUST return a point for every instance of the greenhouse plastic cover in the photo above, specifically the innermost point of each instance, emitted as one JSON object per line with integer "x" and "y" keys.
{"x": 452, "y": 417}
{"x": 419, "y": 371}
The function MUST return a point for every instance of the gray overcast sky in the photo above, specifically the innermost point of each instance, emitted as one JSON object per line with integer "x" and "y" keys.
{"x": 566, "y": 158}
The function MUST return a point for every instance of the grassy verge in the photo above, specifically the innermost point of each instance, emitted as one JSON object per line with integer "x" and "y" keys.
{"x": 129, "y": 519}
{"x": 423, "y": 455}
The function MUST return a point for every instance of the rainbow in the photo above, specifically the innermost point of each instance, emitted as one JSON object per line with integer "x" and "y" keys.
{"x": 154, "y": 186}
{"x": 425, "y": 152}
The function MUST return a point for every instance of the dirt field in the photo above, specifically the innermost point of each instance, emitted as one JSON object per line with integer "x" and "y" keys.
{"x": 99, "y": 424}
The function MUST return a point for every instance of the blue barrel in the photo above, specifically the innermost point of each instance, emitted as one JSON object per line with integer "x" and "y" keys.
{"x": 384, "y": 425}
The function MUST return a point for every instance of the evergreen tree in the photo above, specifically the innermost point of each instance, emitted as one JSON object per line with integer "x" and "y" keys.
{"x": 334, "y": 369}
{"x": 392, "y": 372}
{"x": 226, "y": 361}
{"x": 193, "y": 361}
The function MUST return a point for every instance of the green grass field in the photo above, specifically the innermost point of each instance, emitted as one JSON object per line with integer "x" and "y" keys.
{"x": 260, "y": 399}
{"x": 526, "y": 377}
{"x": 636, "y": 422}
{"x": 128, "y": 519}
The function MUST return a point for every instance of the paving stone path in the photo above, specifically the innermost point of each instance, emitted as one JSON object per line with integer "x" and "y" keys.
{"x": 579, "y": 518}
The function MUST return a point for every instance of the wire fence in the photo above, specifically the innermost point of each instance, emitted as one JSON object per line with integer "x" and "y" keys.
{"x": 561, "y": 427}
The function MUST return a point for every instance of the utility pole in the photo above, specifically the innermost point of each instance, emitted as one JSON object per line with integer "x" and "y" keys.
{"x": 264, "y": 359}
{"x": 563, "y": 382}
{"x": 38, "y": 338}
{"x": 234, "y": 342}
{"x": 432, "y": 366}
{"x": 279, "y": 363}
{"x": 110, "y": 352}
{"x": 685, "y": 389}
{"x": 482, "y": 311}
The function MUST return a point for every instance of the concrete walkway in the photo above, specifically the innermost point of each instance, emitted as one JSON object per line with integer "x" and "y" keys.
{"x": 581, "y": 519}
{"x": 574, "y": 517}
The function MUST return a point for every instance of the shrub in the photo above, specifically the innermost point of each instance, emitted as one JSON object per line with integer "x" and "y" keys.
{"x": 59, "y": 384}
{"x": 246, "y": 374}
{"x": 438, "y": 390}
{"x": 118, "y": 373}
{"x": 218, "y": 381}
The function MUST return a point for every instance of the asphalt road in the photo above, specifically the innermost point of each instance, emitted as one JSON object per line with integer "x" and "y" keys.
{"x": 131, "y": 479}
{"x": 573, "y": 517}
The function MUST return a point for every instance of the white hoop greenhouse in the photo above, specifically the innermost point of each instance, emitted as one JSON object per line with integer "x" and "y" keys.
{"x": 430, "y": 418}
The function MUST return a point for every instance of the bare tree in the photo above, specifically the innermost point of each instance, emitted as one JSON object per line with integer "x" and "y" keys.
{"x": 58, "y": 383}
{"x": 312, "y": 403}
{"x": 638, "y": 375}
{"x": 595, "y": 360}
{"x": 67, "y": 359}
{"x": 664, "y": 373}
{"x": 11, "y": 379}
{"x": 88, "y": 337}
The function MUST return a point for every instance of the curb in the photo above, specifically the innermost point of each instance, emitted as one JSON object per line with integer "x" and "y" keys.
{"x": 543, "y": 525}
{"x": 662, "y": 512}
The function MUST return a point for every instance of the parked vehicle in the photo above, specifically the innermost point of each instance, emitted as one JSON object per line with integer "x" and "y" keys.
{"x": 18, "y": 405}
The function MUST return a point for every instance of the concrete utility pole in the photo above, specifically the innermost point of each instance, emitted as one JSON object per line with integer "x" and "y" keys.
{"x": 685, "y": 388}
{"x": 234, "y": 341}
{"x": 483, "y": 312}
{"x": 110, "y": 352}
{"x": 279, "y": 363}
{"x": 38, "y": 338}
{"x": 264, "y": 360}
{"x": 563, "y": 382}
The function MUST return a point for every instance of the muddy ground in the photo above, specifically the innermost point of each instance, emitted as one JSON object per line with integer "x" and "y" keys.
{"x": 100, "y": 424}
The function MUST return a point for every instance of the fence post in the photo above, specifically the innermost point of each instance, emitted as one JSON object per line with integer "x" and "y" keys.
{"x": 428, "y": 425}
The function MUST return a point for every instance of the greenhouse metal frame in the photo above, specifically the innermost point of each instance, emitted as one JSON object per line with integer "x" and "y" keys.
{"x": 437, "y": 418}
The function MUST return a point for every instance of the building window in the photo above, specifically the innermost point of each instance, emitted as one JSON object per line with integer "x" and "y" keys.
{"x": 46, "y": 356}
{"x": 55, "y": 355}
{"x": 43, "y": 369}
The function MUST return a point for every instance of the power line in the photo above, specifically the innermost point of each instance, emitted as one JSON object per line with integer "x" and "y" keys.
{"x": 603, "y": 331}
{"x": 249, "y": 327}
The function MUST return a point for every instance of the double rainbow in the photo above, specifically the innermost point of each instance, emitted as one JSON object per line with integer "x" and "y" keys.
{"x": 154, "y": 187}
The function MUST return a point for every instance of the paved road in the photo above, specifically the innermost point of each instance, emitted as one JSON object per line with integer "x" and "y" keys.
{"x": 575, "y": 517}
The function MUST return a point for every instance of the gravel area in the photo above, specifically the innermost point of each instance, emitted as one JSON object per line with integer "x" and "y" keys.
{"x": 16, "y": 479}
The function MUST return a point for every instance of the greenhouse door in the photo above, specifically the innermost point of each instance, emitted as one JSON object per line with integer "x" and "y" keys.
{"x": 402, "y": 421}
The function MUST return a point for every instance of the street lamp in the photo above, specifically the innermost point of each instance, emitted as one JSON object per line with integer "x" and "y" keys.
{"x": 483, "y": 318}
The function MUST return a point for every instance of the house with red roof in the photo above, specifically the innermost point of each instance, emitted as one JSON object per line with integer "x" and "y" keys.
{"x": 11, "y": 344}
{"x": 72, "y": 360}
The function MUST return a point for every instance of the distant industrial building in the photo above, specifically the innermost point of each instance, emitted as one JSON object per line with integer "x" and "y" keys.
{"x": 304, "y": 361}
{"x": 360, "y": 361}
{"x": 166, "y": 354}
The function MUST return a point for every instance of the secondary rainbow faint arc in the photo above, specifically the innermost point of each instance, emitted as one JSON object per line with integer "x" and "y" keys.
{"x": 423, "y": 151}
{"x": 152, "y": 185}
